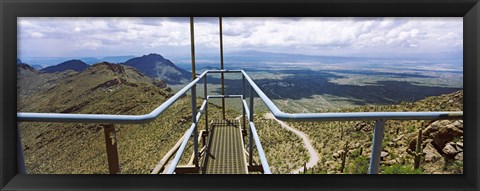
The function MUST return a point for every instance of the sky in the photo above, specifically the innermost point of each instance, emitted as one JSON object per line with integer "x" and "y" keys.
{"x": 170, "y": 36}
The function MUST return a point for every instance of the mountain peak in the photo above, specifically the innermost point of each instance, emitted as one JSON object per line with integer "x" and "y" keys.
{"x": 154, "y": 55}
{"x": 115, "y": 68}
{"x": 76, "y": 65}
{"x": 156, "y": 66}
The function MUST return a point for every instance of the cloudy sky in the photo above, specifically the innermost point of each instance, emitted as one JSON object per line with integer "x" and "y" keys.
{"x": 372, "y": 37}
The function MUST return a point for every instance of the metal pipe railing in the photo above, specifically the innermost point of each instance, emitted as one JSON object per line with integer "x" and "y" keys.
{"x": 102, "y": 118}
{"x": 253, "y": 136}
{"x": 379, "y": 117}
{"x": 353, "y": 116}
{"x": 187, "y": 135}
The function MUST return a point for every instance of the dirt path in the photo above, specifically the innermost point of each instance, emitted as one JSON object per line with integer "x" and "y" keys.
{"x": 306, "y": 142}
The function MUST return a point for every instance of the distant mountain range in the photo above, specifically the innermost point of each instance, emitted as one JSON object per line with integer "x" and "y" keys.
{"x": 152, "y": 65}
{"x": 35, "y": 66}
{"x": 50, "y": 61}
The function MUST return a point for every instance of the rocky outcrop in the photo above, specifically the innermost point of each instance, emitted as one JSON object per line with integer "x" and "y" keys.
{"x": 442, "y": 142}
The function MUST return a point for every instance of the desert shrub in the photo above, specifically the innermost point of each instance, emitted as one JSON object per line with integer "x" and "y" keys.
{"x": 401, "y": 169}
{"x": 359, "y": 165}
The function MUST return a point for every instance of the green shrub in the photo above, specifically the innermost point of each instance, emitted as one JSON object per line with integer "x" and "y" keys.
{"x": 401, "y": 169}
{"x": 359, "y": 165}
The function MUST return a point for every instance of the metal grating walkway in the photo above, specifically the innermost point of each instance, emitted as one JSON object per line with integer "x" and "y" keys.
{"x": 226, "y": 153}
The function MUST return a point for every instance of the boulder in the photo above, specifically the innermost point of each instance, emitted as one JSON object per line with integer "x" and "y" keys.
{"x": 459, "y": 144}
{"x": 443, "y": 131}
{"x": 431, "y": 154}
{"x": 459, "y": 156}
{"x": 458, "y": 124}
{"x": 363, "y": 126}
{"x": 449, "y": 150}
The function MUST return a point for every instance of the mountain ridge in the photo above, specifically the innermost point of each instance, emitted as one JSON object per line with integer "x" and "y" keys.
{"x": 156, "y": 66}
{"x": 75, "y": 65}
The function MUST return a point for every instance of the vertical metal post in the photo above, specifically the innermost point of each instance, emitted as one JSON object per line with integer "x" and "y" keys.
{"x": 243, "y": 106}
{"x": 112, "y": 152}
{"x": 194, "y": 96}
{"x": 250, "y": 136}
{"x": 206, "y": 105}
{"x": 192, "y": 45}
{"x": 376, "y": 146}
{"x": 194, "y": 121}
{"x": 221, "y": 66}
{"x": 20, "y": 158}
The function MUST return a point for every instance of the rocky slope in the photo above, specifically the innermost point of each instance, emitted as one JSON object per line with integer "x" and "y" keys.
{"x": 441, "y": 147}
{"x": 70, "y": 148}
{"x": 30, "y": 81}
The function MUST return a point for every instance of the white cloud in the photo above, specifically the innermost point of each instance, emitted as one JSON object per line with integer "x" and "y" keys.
{"x": 37, "y": 35}
{"x": 323, "y": 36}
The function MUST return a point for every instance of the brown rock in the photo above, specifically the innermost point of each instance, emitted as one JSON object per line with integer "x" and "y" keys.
{"x": 442, "y": 132}
{"x": 431, "y": 154}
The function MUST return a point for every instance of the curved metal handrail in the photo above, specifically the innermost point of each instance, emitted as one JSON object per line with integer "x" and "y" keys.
{"x": 379, "y": 117}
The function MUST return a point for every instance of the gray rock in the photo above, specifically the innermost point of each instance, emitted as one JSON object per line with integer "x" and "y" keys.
{"x": 449, "y": 150}
{"x": 458, "y": 123}
{"x": 384, "y": 154}
{"x": 459, "y": 156}
{"x": 459, "y": 144}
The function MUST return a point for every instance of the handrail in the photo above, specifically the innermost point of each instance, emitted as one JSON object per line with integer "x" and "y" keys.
{"x": 103, "y": 118}
{"x": 351, "y": 116}
{"x": 379, "y": 117}
{"x": 133, "y": 119}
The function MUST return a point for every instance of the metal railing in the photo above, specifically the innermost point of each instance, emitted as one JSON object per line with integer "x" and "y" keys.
{"x": 378, "y": 117}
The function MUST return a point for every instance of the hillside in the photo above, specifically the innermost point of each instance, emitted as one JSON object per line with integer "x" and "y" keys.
{"x": 64, "y": 148}
{"x": 75, "y": 65}
{"x": 442, "y": 141}
{"x": 155, "y": 66}
{"x": 30, "y": 81}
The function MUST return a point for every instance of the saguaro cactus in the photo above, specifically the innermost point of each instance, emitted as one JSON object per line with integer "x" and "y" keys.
{"x": 344, "y": 157}
{"x": 418, "y": 149}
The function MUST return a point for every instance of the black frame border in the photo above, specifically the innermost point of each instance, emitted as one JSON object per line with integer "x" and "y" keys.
{"x": 10, "y": 10}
